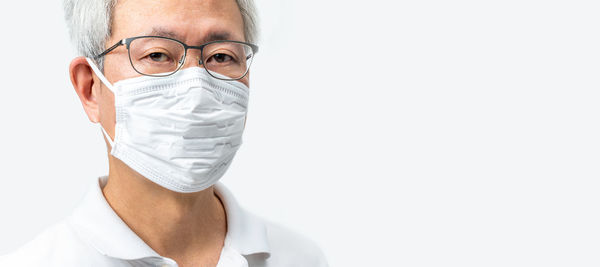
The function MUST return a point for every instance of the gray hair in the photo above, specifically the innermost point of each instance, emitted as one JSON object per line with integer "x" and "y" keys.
{"x": 89, "y": 23}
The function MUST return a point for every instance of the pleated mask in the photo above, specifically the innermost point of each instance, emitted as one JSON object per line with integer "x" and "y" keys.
{"x": 180, "y": 131}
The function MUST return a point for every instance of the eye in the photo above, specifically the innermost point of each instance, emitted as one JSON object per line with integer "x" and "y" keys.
{"x": 158, "y": 57}
{"x": 220, "y": 58}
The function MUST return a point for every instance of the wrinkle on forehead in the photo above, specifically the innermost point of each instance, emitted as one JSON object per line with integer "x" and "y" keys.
{"x": 216, "y": 35}
{"x": 199, "y": 20}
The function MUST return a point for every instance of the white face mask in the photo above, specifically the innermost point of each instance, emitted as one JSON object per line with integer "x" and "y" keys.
{"x": 180, "y": 131}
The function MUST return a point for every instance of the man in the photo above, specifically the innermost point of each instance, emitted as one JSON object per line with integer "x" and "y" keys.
{"x": 167, "y": 81}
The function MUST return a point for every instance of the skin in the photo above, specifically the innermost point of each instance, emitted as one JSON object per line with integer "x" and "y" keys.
{"x": 189, "y": 228}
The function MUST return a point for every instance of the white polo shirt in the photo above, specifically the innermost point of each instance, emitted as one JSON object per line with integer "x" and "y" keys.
{"x": 94, "y": 235}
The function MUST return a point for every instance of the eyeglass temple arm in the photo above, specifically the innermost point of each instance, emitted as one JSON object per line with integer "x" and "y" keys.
{"x": 119, "y": 43}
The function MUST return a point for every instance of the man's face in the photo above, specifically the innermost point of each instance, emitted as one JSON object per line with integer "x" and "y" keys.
{"x": 193, "y": 22}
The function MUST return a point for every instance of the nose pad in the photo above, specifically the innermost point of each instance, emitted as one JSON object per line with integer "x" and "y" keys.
{"x": 194, "y": 61}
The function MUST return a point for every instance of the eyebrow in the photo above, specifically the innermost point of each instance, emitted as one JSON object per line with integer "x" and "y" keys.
{"x": 216, "y": 36}
{"x": 212, "y": 36}
{"x": 165, "y": 33}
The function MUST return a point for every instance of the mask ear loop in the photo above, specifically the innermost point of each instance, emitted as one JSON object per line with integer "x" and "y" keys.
{"x": 110, "y": 87}
{"x": 110, "y": 141}
{"x": 99, "y": 74}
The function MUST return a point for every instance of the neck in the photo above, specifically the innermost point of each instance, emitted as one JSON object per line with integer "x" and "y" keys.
{"x": 187, "y": 227}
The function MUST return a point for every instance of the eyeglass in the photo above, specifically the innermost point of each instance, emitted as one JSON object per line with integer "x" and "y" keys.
{"x": 162, "y": 56}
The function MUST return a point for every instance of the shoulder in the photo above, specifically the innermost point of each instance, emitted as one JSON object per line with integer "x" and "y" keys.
{"x": 58, "y": 245}
{"x": 289, "y": 248}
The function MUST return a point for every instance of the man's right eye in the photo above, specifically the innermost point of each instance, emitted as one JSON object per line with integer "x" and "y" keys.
{"x": 158, "y": 57}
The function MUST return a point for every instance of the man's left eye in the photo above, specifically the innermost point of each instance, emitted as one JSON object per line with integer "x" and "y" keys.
{"x": 220, "y": 58}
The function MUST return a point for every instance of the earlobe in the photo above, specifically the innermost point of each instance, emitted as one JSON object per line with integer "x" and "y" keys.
{"x": 83, "y": 83}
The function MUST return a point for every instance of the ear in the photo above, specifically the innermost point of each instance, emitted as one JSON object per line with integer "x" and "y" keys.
{"x": 82, "y": 79}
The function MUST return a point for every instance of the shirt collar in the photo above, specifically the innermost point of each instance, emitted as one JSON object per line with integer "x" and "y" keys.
{"x": 100, "y": 227}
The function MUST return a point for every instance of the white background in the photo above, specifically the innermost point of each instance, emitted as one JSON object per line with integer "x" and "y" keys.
{"x": 393, "y": 133}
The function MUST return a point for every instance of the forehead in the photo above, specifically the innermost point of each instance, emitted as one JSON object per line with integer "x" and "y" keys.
{"x": 191, "y": 21}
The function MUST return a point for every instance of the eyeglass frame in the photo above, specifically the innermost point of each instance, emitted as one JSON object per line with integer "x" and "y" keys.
{"x": 127, "y": 43}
